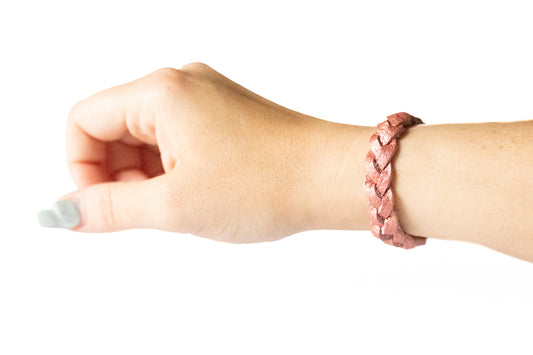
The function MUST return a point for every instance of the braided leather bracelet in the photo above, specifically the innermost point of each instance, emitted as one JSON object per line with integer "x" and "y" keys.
{"x": 384, "y": 223}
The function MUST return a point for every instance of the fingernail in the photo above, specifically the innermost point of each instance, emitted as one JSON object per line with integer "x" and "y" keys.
{"x": 62, "y": 214}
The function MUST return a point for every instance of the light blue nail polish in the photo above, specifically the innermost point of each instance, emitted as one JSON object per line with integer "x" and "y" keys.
{"x": 63, "y": 214}
{"x": 48, "y": 218}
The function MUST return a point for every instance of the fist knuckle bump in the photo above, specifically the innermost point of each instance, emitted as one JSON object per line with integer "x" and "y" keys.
{"x": 195, "y": 67}
{"x": 166, "y": 73}
{"x": 169, "y": 82}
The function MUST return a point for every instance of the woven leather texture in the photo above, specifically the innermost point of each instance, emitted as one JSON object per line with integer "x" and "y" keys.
{"x": 384, "y": 223}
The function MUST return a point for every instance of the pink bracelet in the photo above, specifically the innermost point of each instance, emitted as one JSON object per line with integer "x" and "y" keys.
{"x": 384, "y": 223}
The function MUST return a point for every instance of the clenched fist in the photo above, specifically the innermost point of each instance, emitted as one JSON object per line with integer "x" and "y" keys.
{"x": 191, "y": 151}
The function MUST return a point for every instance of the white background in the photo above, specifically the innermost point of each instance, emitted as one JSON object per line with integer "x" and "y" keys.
{"x": 320, "y": 292}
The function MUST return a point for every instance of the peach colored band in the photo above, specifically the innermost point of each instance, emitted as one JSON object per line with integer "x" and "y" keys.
{"x": 384, "y": 222}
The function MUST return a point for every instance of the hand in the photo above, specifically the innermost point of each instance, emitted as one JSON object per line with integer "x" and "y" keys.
{"x": 190, "y": 151}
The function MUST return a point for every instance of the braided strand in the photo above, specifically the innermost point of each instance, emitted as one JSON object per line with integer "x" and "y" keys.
{"x": 383, "y": 219}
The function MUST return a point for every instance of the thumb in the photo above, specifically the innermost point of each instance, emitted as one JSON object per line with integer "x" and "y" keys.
{"x": 110, "y": 206}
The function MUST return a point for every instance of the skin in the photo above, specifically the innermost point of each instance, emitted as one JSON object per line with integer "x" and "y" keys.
{"x": 191, "y": 151}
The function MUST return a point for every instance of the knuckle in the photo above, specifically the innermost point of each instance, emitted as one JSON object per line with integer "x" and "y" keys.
{"x": 74, "y": 112}
{"x": 197, "y": 67}
{"x": 166, "y": 73}
{"x": 169, "y": 81}
{"x": 108, "y": 209}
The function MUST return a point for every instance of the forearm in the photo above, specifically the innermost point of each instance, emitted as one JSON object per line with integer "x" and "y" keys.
{"x": 467, "y": 182}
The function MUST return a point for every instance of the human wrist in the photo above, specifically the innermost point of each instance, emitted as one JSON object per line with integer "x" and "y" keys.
{"x": 331, "y": 196}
